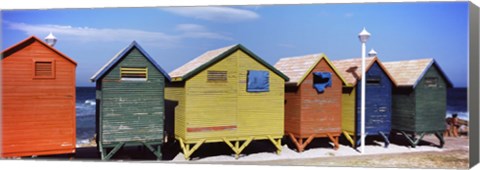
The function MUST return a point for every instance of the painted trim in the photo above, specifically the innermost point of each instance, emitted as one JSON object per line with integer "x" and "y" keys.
{"x": 226, "y": 54}
{"x": 322, "y": 56}
{"x": 34, "y": 38}
{"x": 425, "y": 70}
{"x": 114, "y": 61}
{"x": 369, "y": 65}
{"x": 211, "y": 128}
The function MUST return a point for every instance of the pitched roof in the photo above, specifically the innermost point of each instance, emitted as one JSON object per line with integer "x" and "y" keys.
{"x": 297, "y": 68}
{"x": 410, "y": 72}
{"x": 351, "y": 69}
{"x": 12, "y": 49}
{"x": 208, "y": 58}
{"x": 121, "y": 55}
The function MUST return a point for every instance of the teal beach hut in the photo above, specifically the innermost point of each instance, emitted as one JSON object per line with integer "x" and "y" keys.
{"x": 130, "y": 102}
{"x": 419, "y": 98}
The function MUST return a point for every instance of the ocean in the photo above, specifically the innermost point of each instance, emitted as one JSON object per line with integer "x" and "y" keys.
{"x": 85, "y": 107}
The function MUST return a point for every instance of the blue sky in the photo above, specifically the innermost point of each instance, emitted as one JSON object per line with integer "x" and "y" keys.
{"x": 174, "y": 36}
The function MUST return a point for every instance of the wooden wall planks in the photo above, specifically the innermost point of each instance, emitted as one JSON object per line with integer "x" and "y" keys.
{"x": 132, "y": 111}
{"x": 38, "y": 114}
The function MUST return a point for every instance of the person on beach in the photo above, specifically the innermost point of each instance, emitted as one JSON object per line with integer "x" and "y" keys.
{"x": 455, "y": 125}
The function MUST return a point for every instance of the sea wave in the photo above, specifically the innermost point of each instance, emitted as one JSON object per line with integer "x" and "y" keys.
{"x": 461, "y": 115}
{"x": 90, "y": 102}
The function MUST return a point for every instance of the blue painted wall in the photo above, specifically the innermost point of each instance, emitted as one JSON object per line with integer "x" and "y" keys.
{"x": 378, "y": 106}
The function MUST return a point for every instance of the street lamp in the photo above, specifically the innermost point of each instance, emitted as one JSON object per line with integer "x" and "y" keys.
{"x": 50, "y": 39}
{"x": 372, "y": 53}
{"x": 363, "y": 36}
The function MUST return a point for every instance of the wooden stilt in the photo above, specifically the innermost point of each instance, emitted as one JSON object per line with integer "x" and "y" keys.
{"x": 278, "y": 144}
{"x": 412, "y": 140}
{"x": 157, "y": 152}
{"x": 112, "y": 152}
{"x": 299, "y": 143}
{"x": 385, "y": 138}
{"x": 349, "y": 138}
{"x": 334, "y": 140}
{"x": 237, "y": 148}
{"x": 186, "y": 147}
{"x": 440, "y": 137}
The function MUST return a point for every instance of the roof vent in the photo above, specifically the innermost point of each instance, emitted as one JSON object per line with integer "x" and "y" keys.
{"x": 50, "y": 39}
{"x": 372, "y": 53}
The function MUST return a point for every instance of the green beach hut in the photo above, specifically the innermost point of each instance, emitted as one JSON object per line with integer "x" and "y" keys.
{"x": 419, "y": 98}
{"x": 130, "y": 102}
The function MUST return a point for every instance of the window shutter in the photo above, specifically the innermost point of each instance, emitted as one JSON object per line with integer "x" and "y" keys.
{"x": 216, "y": 75}
{"x": 134, "y": 73}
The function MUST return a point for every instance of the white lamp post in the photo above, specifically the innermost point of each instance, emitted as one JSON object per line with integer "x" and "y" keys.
{"x": 50, "y": 39}
{"x": 363, "y": 36}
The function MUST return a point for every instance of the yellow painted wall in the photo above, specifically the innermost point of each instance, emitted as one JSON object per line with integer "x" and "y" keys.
{"x": 348, "y": 110}
{"x": 211, "y": 104}
{"x": 177, "y": 94}
{"x": 260, "y": 113}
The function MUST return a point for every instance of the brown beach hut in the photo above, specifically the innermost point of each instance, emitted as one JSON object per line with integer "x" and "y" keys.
{"x": 313, "y": 99}
{"x": 38, "y": 100}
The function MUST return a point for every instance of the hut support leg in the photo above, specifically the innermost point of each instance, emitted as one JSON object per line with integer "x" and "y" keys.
{"x": 334, "y": 139}
{"x": 349, "y": 138}
{"x": 237, "y": 148}
{"x": 186, "y": 147}
{"x": 385, "y": 138}
{"x": 278, "y": 144}
{"x": 299, "y": 143}
{"x": 157, "y": 152}
{"x": 440, "y": 137}
{"x": 111, "y": 153}
{"x": 412, "y": 140}
{"x": 359, "y": 140}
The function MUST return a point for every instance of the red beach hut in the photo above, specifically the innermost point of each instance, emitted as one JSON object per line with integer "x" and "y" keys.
{"x": 38, "y": 100}
{"x": 313, "y": 99}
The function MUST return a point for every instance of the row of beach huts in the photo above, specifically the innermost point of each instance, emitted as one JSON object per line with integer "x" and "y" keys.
{"x": 228, "y": 95}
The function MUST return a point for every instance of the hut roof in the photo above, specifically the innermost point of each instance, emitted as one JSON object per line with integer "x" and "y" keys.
{"x": 12, "y": 49}
{"x": 297, "y": 68}
{"x": 100, "y": 73}
{"x": 410, "y": 72}
{"x": 351, "y": 68}
{"x": 208, "y": 58}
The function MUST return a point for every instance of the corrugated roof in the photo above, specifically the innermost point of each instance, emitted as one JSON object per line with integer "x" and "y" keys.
{"x": 122, "y": 54}
{"x": 210, "y": 57}
{"x": 297, "y": 68}
{"x": 409, "y": 72}
{"x": 351, "y": 69}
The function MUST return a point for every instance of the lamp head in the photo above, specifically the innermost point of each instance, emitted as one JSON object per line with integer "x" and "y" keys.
{"x": 364, "y": 35}
{"x": 50, "y": 39}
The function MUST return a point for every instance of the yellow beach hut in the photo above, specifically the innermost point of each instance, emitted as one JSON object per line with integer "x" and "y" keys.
{"x": 227, "y": 95}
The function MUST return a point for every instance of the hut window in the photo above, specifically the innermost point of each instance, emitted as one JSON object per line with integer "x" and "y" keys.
{"x": 134, "y": 73}
{"x": 431, "y": 82}
{"x": 44, "y": 69}
{"x": 322, "y": 80}
{"x": 215, "y": 76}
{"x": 373, "y": 80}
{"x": 257, "y": 81}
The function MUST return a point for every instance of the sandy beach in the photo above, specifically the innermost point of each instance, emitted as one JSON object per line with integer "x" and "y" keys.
{"x": 454, "y": 154}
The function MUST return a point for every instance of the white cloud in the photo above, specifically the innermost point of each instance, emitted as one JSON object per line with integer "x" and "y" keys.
{"x": 190, "y": 27}
{"x": 87, "y": 34}
{"x": 222, "y": 14}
